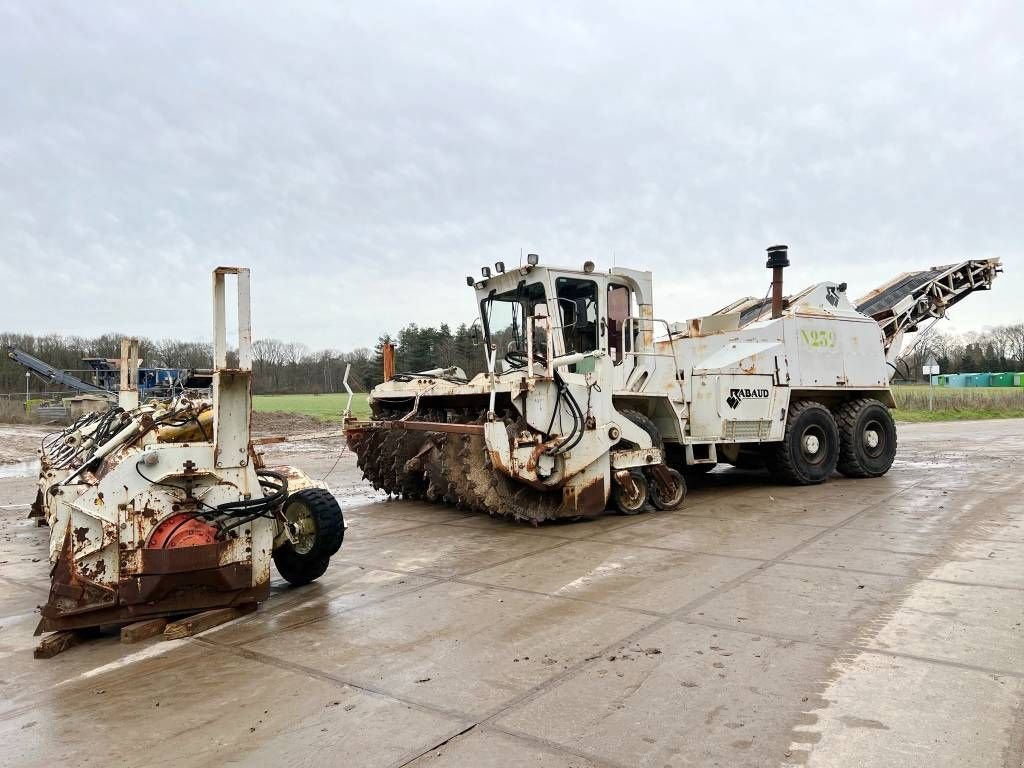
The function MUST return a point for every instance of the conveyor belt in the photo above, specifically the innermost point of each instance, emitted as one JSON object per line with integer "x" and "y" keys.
{"x": 884, "y": 299}
{"x": 906, "y": 301}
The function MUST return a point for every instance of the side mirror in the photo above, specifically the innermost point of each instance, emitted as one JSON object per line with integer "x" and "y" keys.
{"x": 479, "y": 337}
{"x": 563, "y": 303}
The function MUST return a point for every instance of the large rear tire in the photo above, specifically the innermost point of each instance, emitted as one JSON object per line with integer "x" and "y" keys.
{"x": 809, "y": 450}
{"x": 646, "y": 425}
{"x": 318, "y": 529}
{"x": 867, "y": 438}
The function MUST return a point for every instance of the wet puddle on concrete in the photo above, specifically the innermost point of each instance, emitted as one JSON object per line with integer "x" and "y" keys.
{"x": 28, "y": 468}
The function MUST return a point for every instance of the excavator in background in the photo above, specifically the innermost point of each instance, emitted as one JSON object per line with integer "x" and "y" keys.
{"x": 589, "y": 400}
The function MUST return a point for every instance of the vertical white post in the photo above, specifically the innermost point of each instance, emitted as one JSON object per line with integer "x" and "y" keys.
{"x": 490, "y": 369}
{"x": 128, "y": 389}
{"x": 529, "y": 352}
{"x": 348, "y": 406}
{"x": 232, "y": 387}
{"x": 244, "y": 322}
{"x": 220, "y": 331}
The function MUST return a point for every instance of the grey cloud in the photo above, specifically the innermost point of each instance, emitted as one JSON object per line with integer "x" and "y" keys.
{"x": 362, "y": 157}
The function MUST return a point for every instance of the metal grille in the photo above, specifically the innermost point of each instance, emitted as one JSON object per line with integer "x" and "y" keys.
{"x": 747, "y": 430}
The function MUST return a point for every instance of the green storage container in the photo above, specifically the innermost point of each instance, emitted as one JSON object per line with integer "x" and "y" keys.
{"x": 1001, "y": 380}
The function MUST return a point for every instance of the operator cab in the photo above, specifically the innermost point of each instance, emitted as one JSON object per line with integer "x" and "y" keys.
{"x": 589, "y": 312}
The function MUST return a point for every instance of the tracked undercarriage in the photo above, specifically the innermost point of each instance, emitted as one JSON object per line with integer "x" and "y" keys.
{"x": 444, "y": 458}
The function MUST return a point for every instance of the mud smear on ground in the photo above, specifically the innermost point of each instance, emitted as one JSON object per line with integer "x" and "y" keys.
{"x": 265, "y": 423}
{"x": 19, "y": 442}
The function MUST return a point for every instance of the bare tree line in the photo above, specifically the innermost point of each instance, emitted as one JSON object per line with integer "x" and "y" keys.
{"x": 277, "y": 366}
{"x": 291, "y": 367}
{"x": 997, "y": 349}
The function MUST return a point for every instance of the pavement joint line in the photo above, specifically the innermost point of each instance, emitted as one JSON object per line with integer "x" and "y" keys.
{"x": 680, "y": 550}
{"x": 460, "y": 578}
{"x": 864, "y": 572}
{"x": 563, "y": 676}
{"x": 964, "y": 538}
{"x": 842, "y": 647}
{"x": 727, "y": 519}
{"x": 546, "y": 744}
{"x": 457, "y": 715}
{"x": 536, "y": 593}
{"x": 413, "y": 755}
{"x": 427, "y": 574}
{"x": 744, "y": 577}
{"x": 775, "y": 561}
{"x": 275, "y": 661}
{"x": 315, "y": 619}
{"x": 433, "y": 580}
{"x": 602, "y": 762}
{"x": 412, "y": 527}
{"x": 534, "y": 532}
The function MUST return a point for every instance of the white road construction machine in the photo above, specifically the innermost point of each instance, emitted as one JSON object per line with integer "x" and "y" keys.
{"x": 166, "y": 508}
{"x": 590, "y": 400}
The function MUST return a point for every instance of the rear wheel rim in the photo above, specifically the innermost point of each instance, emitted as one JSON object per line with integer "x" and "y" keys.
{"x": 631, "y": 504}
{"x": 301, "y": 527}
{"x": 814, "y": 445}
{"x": 874, "y": 439}
{"x": 668, "y": 500}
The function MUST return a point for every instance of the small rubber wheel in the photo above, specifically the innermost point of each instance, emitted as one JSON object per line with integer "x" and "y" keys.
{"x": 631, "y": 504}
{"x": 809, "y": 450}
{"x": 668, "y": 501}
{"x": 317, "y": 529}
{"x": 867, "y": 438}
{"x": 296, "y": 569}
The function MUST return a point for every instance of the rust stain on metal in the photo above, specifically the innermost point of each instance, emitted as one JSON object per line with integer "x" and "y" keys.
{"x": 591, "y": 499}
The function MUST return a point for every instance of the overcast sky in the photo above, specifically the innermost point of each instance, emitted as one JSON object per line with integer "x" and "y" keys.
{"x": 363, "y": 157}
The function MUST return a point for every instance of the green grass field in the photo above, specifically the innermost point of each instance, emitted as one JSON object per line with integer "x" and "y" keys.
{"x": 324, "y": 407}
{"x": 951, "y": 404}
{"x": 958, "y": 403}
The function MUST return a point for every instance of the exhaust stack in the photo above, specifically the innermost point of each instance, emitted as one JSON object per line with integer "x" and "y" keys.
{"x": 388, "y": 350}
{"x": 778, "y": 260}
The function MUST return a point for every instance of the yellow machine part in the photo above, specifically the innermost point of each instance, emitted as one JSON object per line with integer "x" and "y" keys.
{"x": 200, "y": 428}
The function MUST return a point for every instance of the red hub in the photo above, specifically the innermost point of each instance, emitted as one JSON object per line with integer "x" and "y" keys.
{"x": 181, "y": 530}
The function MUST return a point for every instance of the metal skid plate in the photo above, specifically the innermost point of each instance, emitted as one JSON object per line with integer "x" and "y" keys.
{"x": 108, "y": 566}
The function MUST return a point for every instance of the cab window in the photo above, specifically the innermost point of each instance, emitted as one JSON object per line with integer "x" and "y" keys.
{"x": 577, "y": 312}
{"x": 620, "y": 308}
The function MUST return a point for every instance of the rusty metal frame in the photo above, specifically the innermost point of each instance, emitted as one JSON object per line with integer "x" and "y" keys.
{"x": 417, "y": 426}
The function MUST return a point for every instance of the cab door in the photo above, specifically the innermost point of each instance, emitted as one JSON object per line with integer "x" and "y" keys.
{"x": 620, "y": 334}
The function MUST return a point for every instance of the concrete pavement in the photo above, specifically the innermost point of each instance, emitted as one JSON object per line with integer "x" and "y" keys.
{"x": 862, "y": 622}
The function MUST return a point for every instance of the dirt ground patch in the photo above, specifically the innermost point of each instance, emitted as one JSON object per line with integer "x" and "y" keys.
{"x": 281, "y": 423}
{"x": 19, "y": 442}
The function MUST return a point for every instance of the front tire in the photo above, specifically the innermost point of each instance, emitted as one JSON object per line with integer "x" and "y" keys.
{"x": 318, "y": 529}
{"x": 631, "y": 503}
{"x": 867, "y": 438}
{"x": 809, "y": 451}
{"x": 669, "y": 500}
